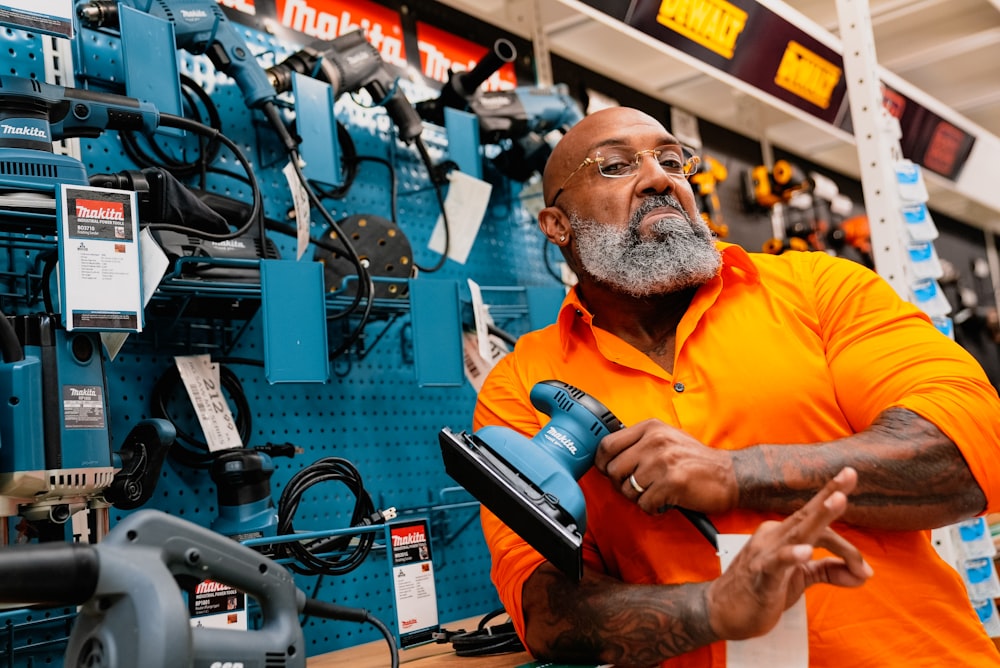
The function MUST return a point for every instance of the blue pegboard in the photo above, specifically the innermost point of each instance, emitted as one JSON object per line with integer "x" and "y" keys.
{"x": 372, "y": 411}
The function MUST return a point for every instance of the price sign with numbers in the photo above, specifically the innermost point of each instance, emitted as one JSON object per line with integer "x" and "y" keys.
{"x": 201, "y": 379}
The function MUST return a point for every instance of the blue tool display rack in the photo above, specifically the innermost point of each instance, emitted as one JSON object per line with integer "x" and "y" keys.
{"x": 372, "y": 412}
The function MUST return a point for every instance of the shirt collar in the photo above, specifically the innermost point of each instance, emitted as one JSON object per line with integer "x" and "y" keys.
{"x": 736, "y": 266}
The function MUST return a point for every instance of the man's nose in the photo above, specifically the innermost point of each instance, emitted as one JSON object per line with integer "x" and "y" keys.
{"x": 651, "y": 178}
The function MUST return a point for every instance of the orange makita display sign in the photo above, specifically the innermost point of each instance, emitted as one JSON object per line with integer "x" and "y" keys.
{"x": 327, "y": 19}
{"x": 441, "y": 51}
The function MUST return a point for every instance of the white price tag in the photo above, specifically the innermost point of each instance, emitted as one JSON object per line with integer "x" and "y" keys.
{"x": 784, "y": 646}
{"x": 201, "y": 379}
{"x": 481, "y": 313}
{"x": 303, "y": 218}
{"x": 465, "y": 204}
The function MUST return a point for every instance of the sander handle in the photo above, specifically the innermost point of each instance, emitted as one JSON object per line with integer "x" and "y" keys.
{"x": 557, "y": 399}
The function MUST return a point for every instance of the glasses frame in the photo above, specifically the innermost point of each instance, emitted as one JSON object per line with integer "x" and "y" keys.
{"x": 687, "y": 169}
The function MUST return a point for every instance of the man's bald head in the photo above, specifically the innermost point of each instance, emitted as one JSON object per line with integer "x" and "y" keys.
{"x": 576, "y": 145}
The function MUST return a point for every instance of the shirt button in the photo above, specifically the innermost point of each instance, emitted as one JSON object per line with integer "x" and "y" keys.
{"x": 678, "y": 387}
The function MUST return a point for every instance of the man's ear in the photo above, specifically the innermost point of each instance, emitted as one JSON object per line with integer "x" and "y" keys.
{"x": 554, "y": 224}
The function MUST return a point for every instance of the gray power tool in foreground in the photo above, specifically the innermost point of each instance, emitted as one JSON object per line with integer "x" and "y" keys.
{"x": 133, "y": 613}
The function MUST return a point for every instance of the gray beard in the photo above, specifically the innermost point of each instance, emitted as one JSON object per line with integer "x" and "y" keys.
{"x": 679, "y": 255}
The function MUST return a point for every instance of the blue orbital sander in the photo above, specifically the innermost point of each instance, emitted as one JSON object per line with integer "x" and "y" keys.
{"x": 531, "y": 484}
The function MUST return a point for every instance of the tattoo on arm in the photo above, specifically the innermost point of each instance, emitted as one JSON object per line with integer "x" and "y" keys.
{"x": 910, "y": 475}
{"x": 603, "y": 619}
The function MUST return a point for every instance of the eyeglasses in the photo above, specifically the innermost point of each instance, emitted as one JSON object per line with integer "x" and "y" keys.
{"x": 620, "y": 163}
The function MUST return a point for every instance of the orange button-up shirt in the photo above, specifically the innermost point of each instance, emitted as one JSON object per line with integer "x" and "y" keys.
{"x": 796, "y": 348}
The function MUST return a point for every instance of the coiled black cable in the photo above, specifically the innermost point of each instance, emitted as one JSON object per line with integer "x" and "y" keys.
{"x": 485, "y": 640}
{"x": 157, "y": 157}
{"x": 187, "y": 449}
{"x": 346, "y": 552}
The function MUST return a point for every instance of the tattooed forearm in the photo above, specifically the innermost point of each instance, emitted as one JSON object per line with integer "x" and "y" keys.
{"x": 910, "y": 475}
{"x": 598, "y": 619}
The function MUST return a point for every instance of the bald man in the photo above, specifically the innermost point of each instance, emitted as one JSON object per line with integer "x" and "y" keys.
{"x": 759, "y": 390}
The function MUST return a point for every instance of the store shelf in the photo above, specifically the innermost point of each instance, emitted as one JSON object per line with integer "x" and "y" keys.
{"x": 940, "y": 53}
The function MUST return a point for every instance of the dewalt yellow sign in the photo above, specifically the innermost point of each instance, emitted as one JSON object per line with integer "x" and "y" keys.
{"x": 807, "y": 75}
{"x": 715, "y": 24}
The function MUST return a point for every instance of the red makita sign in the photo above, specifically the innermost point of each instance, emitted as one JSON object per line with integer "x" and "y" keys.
{"x": 327, "y": 19}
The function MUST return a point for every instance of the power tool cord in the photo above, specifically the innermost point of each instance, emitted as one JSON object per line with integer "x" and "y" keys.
{"x": 346, "y": 552}
{"x": 314, "y": 607}
{"x": 157, "y": 157}
{"x": 255, "y": 217}
{"x": 485, "y": 640}
{"x": 438, "y": 175}
{"x": 187, "y": 449}
{"x": 366, "y": 287}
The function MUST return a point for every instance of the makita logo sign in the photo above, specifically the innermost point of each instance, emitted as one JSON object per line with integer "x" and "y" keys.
{"x": 83, "y": 392}
{"x": 211, "y": 587}
{"x": 328, "y": 20}
{"x": 229, "y": 243}
{"x": 87, "y": 208}
{"x": 193, "y": 14}
{"x": 562, "y": 439}
{"x": 9, "y": 130}
{"x": 494, "y": 102}
{"x": 412, "y": 538}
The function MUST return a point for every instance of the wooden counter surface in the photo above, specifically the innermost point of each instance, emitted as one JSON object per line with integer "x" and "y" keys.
{"x": 376, "y": 655}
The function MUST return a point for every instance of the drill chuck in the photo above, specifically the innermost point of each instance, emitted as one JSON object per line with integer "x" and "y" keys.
{"x": 99, "y": 13}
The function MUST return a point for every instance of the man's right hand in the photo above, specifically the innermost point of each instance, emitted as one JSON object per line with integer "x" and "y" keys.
{"x": 775, "y": 567}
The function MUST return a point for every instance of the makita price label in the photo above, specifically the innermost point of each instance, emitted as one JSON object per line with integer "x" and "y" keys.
{"x": 413, "y": 580}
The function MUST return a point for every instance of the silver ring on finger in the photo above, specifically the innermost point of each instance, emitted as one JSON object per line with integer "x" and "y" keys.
{"x": 639, "y": 489}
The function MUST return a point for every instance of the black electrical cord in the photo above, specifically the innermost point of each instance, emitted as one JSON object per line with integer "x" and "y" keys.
{"x": 338, "y": 612}
{"x": 253, "y": 218}
{"x": 155, "y": 156}
{"x": 346, "y": 552}
{"x": 366, "y": 287}
{"x": 502, "y": 334}
{"x": 40, "y": 265}
{"x": 187, "y": 449}
{"x": 49, "y": 264}
{"x": 436, "y": 178}
{"x": 393, "y": 188}
{"x": 349, "y": 162}
{"x": 485, "y": 640}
